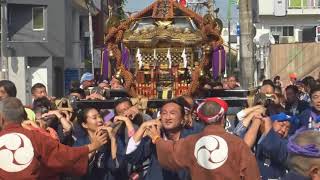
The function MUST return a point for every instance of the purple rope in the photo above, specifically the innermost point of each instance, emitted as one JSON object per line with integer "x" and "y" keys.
{"x": 108, "y": 117}
{"x": 105, "y": 67}
{"x": 216, "y": 55}
{"x": 125, "y": 56}
{"x": 309, "y": 150}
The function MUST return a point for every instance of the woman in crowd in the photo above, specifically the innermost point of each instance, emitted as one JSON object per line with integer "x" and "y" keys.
{"x": 245, "y": 116}
{"x": 108, "y": 162}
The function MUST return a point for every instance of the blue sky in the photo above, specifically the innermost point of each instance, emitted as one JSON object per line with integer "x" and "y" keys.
{"x": 136, "y": 5}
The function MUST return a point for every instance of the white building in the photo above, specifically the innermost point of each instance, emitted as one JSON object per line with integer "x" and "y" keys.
{"x": 297, "y": 25}
{"x": 283, "y": 21}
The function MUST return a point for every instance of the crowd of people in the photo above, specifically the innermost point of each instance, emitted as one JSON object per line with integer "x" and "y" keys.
{"x": 276, "y": 136}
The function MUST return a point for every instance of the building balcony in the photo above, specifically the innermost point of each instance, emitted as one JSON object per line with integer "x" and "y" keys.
{"x": 303, "y": 4}
{"x": 292, "y": 7}
{"x": 303, "y": 7}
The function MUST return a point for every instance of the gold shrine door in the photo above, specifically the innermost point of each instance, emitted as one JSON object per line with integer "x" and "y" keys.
{"x": 156, "y": 79}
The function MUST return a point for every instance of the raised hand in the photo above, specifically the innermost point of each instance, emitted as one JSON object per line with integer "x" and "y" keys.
{"x": 128, "y": 123}
{"x": 121, "y": 118}
{"x": 151, "y": 123}
{"x": 66, "y": 114}
{"x": 142, "y": 129}
{"x": 131, "y": 112}
{"x": 99, "y": 139}
{"x": 153, "y": 132}
{"x": 53, "y": 113}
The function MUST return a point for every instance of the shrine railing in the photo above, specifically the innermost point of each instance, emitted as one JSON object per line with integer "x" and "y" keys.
{"x": 236, "y": 99}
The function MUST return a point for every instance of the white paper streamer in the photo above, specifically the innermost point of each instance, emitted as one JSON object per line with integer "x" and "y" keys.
{"x": 139, "y": 58}
{"x": 169, "y": 58}
{"x": 184, "y": 57}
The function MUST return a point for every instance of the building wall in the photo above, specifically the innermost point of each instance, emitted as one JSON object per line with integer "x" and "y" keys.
{"x": 266, "y": 7}
{"x": 56, "y": 48}
{"x": 20, "y": 24}
{"x": 26, "y": 42}
{"x": 57, "y": 76}
{"x": 20, "y": 73}
{"x": 74, "y": 59}
{"x": 37, "y": 2}
{"x": 43, "y": 62}
{"x": 17, "y": 73}
{"x": 59, "y": 47}
{"x": 298, "y": 22}
{"x": 301, "y": 58}
{"x": 282, "y": 59}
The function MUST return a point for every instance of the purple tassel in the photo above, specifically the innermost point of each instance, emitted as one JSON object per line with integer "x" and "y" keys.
{"x": 218, "y": 60}
{"x": 105, "y": 68}
{"x": 125, "y": 56}
{"x": 223, "y": 59}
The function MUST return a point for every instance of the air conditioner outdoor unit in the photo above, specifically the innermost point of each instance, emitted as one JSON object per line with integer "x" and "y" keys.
{"x": 280, "y": 7}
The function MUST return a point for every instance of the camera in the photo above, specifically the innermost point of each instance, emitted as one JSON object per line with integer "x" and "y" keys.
{"x": 264, "y": 99}
{"x": 73, "y": 102}
{"x": 270, "y": 99}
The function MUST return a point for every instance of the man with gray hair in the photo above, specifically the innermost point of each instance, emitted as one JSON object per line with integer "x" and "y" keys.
{"x": 304, "y": 155}
{"x": 25, "y": 154}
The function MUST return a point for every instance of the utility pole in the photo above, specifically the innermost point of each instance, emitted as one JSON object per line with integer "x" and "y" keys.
{"x": 229, "y": 38}
{"x": 90, "y": 7}
{"x": 4, "y": 31}
{"x": 246, "y": 44}
{"x": 91, "y": 42}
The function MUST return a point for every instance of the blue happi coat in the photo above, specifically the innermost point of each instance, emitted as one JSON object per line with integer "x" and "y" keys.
{"x": 271, "y": 155}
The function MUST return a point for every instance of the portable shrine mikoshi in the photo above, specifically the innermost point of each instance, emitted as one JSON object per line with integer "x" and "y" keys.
{"x": 162, "y": 51}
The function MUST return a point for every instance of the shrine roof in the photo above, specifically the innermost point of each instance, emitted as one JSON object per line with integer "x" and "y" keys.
{"x": 167, "y": 9}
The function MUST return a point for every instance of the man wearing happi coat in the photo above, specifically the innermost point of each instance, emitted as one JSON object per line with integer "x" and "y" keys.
{"x": 25, "y": 154}
{"x": 211, "y": 154}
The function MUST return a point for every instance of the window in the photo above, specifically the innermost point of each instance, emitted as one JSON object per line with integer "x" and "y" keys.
{"x": 10, "y": 15}
{"x": 282, "y": 30}
{"x": 38, "y": 18}
{"x": 276, "y": 30}
{"x": 287, "y": 31}
{"x": 297, "y": 3}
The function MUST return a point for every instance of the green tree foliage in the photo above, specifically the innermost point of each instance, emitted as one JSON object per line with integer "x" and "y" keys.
{"x": 121, "y": 9}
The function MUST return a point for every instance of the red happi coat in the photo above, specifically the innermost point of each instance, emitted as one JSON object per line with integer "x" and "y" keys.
{"x": 25, "y": 154}
{"x": 211, "y": 154}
